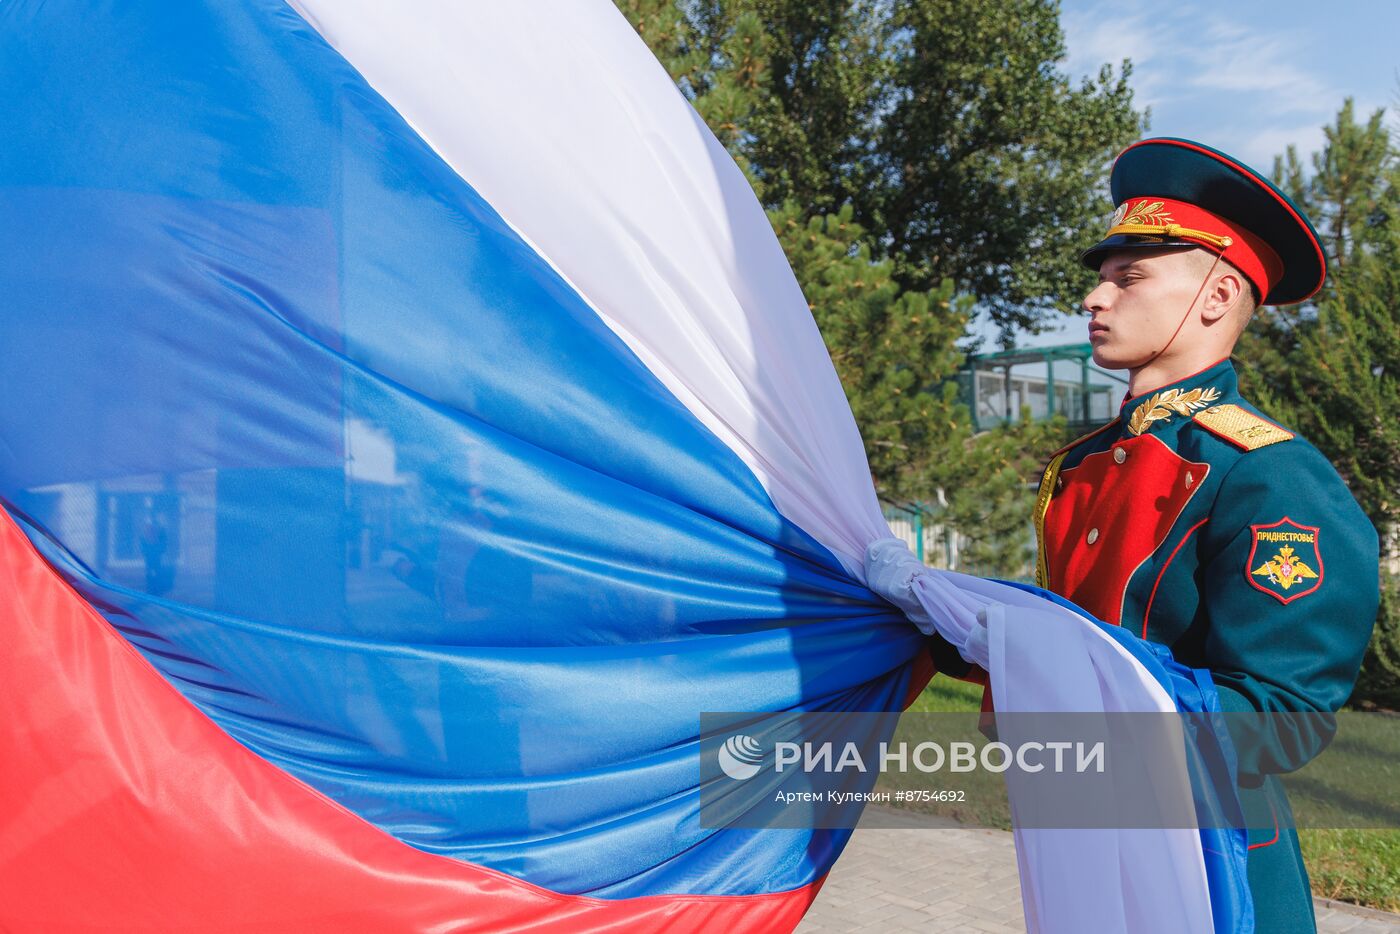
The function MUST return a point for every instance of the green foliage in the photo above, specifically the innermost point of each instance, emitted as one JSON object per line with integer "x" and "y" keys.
{"x": 895, "y": 351}
{"x": 989, "y": 166}
{"x": 990, "y": 489}
{"x": 1349, "y": 194}
{"x": 1379, "y": 683}
{"x": 890, "y": 345}
{"x": 1343, "y": 190}
{"x": 916, "y": 159}
{"x": 966, "y": 153}
{"x": 1344, "y": 381}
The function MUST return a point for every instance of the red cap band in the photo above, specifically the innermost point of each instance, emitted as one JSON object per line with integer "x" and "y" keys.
{"x": 1180, "y": 220}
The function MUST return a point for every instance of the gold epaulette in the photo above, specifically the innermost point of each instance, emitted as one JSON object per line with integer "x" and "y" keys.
{"x": 1241, "y": 427}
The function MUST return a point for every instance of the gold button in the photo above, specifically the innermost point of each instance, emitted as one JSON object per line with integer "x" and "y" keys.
{"x": 1189, "y": 479}
{"x": 1119, "y": 455}
{"x": 1093, "y": 536}
{"x": 1059, "y": 483}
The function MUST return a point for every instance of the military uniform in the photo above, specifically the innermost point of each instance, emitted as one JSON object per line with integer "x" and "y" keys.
{"x": 1197, "y": 522}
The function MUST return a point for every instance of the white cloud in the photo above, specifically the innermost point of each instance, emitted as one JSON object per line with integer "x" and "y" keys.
{"x": 1100, "y": 34}
{"x": 1232, "y": 57}
{"x": 1259, "y": 148}
{"x": 1225, "y": 81}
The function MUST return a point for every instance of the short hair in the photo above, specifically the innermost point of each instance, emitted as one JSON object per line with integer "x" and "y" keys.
{"x": 1249, "y": 299}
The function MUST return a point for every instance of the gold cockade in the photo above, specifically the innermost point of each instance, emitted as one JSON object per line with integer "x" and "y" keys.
{"x": 1163, "y": 405}
{"x": 1284, "y": 568}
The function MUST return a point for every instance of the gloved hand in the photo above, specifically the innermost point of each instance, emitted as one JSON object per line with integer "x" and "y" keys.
{"x": 890, "y": 569}
{"x": 975, "y": 648}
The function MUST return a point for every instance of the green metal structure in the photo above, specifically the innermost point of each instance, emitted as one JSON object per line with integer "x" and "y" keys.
{"x": 1050, "y": 381}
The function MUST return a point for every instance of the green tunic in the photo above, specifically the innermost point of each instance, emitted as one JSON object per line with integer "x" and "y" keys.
{"x": 1200, "y": 524}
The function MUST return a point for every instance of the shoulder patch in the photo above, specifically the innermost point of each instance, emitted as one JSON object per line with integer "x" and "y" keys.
{"x": 1241, "y": 427}
{"x": 1284, "y": 555}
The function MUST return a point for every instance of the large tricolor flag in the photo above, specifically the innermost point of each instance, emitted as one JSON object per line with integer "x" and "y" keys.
{"x": 408, "y": 425}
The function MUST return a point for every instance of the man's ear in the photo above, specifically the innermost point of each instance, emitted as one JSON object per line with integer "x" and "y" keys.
{"x": 1222, "y": 295}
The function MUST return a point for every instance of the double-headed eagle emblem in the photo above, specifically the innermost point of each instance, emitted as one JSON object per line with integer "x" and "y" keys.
{"x": 1285, "y": 568}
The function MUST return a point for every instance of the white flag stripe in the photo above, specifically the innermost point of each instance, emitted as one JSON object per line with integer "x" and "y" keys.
{"x": 560, "y": 117}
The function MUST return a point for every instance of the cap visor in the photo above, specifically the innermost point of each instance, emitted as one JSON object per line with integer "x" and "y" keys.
{"x": 1096, "y": 254}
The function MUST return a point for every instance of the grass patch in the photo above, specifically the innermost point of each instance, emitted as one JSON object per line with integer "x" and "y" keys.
{"x": 984, "y": 802}
{"x": 1358, "y": 866}
{"x": 1339, "y": 799}
{"x": 948, "y": 695}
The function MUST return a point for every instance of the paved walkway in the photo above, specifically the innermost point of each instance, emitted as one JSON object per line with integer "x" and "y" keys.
{"x": 895, "y": 878}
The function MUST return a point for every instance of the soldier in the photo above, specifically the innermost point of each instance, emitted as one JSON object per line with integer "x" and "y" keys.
{"x": 1192, "y": 518}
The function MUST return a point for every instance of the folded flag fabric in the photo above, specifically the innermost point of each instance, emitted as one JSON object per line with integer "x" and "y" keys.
{"x": 410, "y": 424}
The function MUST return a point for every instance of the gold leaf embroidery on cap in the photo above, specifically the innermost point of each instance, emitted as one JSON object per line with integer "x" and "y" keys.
{"x": 1150, "y": 219}
{"x": 1147, "y": 213}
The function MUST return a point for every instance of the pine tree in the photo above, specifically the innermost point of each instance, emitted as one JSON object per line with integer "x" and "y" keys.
{"x": 1332, "y": 368}
{"x": 1341, "y": 189}
{"x": 990, "y": 490}
{"x": 1345, "y": 388}
{"x": 896, "y": 353}
{"x": 894, "y": 349}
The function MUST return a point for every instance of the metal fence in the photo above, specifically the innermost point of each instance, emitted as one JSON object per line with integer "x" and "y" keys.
{"x": 931, "y": 542}
{"x": 941, "y": 546}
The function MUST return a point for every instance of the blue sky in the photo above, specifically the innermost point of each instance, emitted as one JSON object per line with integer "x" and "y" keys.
{"x": 1246, "y": 76}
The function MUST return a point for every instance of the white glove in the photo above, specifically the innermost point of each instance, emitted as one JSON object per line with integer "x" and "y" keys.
{"x": 975, "y": 648}
{"x": 890, "y": 569}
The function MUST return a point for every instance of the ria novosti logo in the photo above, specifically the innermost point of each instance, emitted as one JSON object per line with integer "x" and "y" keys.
{"x": 740, "y": 757}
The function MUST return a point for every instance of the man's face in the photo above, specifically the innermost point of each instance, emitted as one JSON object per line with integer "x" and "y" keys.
{"x": 1138, "y": 303}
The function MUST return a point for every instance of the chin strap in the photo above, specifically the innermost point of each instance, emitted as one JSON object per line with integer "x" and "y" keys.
{"x": 1210, "y": 272}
